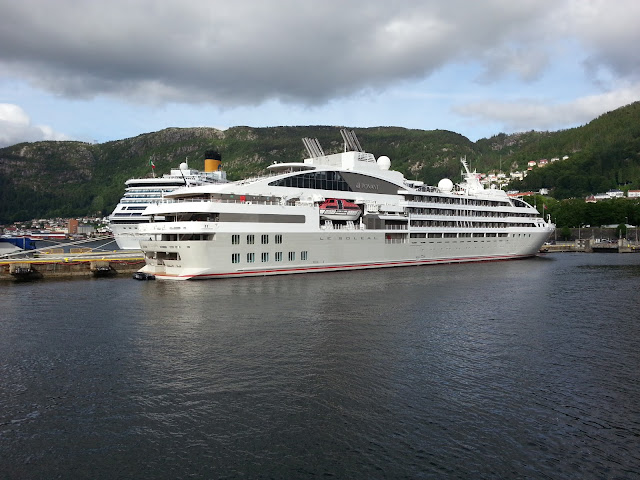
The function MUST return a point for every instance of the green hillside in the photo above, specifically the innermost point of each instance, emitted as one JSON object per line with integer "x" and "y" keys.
{"x": 49, "y": 179}
{"x": 604, "y": 154}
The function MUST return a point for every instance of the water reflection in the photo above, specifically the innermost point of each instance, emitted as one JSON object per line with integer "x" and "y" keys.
{"x": 509, "y": 369}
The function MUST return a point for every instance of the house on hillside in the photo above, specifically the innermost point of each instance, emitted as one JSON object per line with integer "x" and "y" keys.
{"x": 615, "y": 193}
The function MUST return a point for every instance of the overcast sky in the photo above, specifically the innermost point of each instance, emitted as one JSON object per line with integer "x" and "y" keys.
{"x": 106, "y": 70}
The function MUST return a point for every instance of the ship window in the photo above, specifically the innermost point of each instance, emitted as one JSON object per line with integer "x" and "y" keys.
{"x": 321, "y": 180}
{"x": 235, "y": 239}
{"x": 278, "y": 256}
{"x": 250, "y": 239}
{"x": 303, "y": 255}
{"x": 251, "y": 257}
{"x": 292, "y": 256}
{"x": 235, "y": 258}
{"x": 265, "y": 256}
{"x": 265, "y": 239}
{"x": 278, "y": 238}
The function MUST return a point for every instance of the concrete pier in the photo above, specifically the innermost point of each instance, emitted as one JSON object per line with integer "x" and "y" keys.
{"x": 587, "y": 245}
{"x": 77, "y": 265}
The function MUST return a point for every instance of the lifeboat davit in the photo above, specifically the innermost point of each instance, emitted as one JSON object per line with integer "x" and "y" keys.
{"x": 339, "y": 209}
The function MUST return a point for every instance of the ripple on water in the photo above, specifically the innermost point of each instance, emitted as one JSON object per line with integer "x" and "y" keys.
{"x": 512, "y": 369}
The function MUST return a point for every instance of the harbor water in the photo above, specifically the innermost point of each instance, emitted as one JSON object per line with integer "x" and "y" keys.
{"x": 520, "y": 369}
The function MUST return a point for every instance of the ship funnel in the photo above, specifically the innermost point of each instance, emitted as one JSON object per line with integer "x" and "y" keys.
{"x": 212, "y": 161}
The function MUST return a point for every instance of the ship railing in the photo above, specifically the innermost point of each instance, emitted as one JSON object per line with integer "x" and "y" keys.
{"x": 395, "y": 227}
{"x": 422, "y": 188}
{"x": 337, "y": 226}
{"x": 245, "y": 181}
{"x": 222, "y": 200}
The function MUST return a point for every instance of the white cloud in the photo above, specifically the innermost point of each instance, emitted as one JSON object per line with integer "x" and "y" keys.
{"x": 244, "y": 56}
{"x": 15, "y": 127}
{"x": 247, "y": 52}
{"x": 532, "y": 114}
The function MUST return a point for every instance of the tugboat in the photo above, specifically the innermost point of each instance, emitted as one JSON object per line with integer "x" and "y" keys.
{"x": 339, "y": 209}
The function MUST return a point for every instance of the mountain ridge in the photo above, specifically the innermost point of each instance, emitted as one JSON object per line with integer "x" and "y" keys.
{"x": 69, "y": 178}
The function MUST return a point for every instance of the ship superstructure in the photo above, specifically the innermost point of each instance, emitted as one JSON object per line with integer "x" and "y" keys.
{"x": 278, "y": 224}
{"x": 140, "y": 192}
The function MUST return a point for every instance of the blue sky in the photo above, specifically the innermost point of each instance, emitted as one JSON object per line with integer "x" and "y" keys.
{"x": 100, "y": 71}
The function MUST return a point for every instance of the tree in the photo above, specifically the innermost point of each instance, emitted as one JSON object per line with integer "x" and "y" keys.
{"x": 621, "y": 231}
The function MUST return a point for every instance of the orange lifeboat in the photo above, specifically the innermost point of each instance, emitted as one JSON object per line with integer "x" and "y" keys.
{"x": 339, "y": 209}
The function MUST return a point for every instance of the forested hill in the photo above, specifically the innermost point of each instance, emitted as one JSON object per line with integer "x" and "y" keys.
{"x": 49, "y": 179}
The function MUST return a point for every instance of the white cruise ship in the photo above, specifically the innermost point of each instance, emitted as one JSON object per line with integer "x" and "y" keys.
{"x": 140, "y": 192}
{"x": 283, "y": 223}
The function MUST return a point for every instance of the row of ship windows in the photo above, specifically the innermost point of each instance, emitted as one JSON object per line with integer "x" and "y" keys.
{"x": 264, "y": 256}
{"x": 322, "y": 180}
{"x": 127, "y": 214}
{"x": 457, "y": 201}
{"x": 466, "y": 235}
{"x": 149, "y": 194}
{"x": 464, "y": 223}
{"x": 251, "y": 239}
{"x": 466, "y": 213}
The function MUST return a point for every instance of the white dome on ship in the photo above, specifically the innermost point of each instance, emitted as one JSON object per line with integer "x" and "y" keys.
{"x": 445, "y": 185}
{"x": 184, "y": 166}
{"x": 384, "y": 162}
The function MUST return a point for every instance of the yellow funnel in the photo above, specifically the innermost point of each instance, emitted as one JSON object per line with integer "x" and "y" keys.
{"x": 212, "y": 161}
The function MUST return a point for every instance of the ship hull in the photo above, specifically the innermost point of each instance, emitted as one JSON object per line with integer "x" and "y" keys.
{"x": 127, "y": 236}
{"x": 327, "y": 252}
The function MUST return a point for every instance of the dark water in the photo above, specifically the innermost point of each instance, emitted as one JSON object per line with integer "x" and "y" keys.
{"x": 522, "y": 369}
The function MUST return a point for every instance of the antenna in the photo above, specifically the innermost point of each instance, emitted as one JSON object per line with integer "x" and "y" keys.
{"x": 463, "y": 160}
{"x": 351, "y": 142}
{"x": 313, "y": 147}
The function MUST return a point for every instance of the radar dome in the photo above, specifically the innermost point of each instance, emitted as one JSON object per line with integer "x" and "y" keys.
{"x": 384, "y": 162}
{"x": 445, "y": 185}
{"x": 184, "y": 166}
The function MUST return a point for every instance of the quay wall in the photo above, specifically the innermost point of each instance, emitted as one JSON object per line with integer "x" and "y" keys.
{"x": 589, "y": 246}
{"x": 35, "y": 269}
